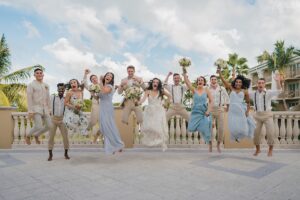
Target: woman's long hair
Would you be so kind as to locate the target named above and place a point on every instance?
(159, 87)
(80, 86)
(245, 82)
(112, 82)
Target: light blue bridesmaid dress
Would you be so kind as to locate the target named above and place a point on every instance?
(239, 124)
(198, 121)
(112, 139)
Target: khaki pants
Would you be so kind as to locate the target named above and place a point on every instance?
(129, 106)
(94, 117)
(38, 127)
(58, 122)
(218, 118)
(265, 118)
(177, 109)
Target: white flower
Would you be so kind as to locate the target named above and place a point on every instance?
(220, 63)
(185, 62)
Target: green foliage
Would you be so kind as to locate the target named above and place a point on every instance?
(238, 65)
(14, 91)
(88, 105)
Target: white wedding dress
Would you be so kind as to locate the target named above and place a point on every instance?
(155, 127)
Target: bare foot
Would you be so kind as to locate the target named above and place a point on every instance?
(37, 141)
(218, 148)
(256, 153)
(27, 140)
(270, 153)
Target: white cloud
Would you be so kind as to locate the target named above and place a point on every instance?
(69, 55)
(32, 31)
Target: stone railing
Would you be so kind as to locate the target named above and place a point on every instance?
(22, 126)
(286, 132)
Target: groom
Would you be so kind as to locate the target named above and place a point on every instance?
(130, 104)
(38, 100)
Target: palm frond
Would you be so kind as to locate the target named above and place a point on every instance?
(20, 74)
(16, 94)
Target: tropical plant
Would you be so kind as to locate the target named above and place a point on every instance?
(237, 64)
(11, 90)
(279, 59)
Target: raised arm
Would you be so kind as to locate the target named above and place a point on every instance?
(122, 86)
(85, 82)
(167, 78)
(188, 82)
(226, 84)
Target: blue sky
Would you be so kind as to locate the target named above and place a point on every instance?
(68, 36)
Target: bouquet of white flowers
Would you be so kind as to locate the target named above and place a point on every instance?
(95, 88)
(79, 105)
(133, 93)
(184, 63)
(220, 63)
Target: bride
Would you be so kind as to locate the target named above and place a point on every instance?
(155, 127)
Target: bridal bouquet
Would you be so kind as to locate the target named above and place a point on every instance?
(95, 88)
(79, 105)
(220, 63)
(133, 93)
(184, 63)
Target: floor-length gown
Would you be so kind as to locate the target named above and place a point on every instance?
(155, 127)
(199, 121)
(239, 124)
(108, 127)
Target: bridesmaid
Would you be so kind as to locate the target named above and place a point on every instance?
(200, 119)
(240, 123)
(112, 139)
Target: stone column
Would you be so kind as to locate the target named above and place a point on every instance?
(6, 124)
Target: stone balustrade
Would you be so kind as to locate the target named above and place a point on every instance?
(286, 132)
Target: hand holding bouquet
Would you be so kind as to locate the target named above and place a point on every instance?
(220, 63)
(184, 63)
(79, 105)
(133, 93)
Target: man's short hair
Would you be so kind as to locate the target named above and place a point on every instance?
(37, 69)
(212, 76)
(131, 67)
(176, 74)
(262, 79)
(60, 85)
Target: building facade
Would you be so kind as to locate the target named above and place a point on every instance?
(291, 84)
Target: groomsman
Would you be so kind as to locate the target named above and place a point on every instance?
(94, 117)
(130, 105)
(38, 100)
(263, 114)
(220, 100)
(177, 91)
(57, 115)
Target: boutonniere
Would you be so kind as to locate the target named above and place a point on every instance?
(46, 87)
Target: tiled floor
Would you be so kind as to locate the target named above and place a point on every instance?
(149, 174)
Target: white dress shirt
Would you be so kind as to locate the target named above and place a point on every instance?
(57, 105)
(177, 92)
(38, 97)
(220, 96)
(262, 100)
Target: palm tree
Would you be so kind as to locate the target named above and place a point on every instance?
(10, 89)
(238, 65)
(279, 60)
